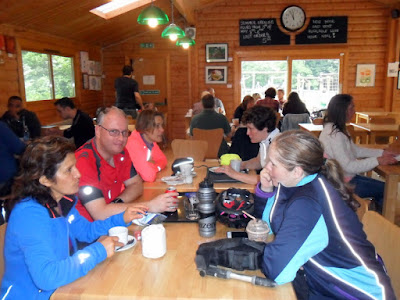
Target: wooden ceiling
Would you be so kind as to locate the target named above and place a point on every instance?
(71, 18)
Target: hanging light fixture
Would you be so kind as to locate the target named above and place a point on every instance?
(185, 42)
(152, 16)
(172, 31)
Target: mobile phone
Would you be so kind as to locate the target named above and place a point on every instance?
(236, 234)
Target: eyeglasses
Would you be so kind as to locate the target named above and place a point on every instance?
(116, 132)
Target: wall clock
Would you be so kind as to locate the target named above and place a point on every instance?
(293, 18)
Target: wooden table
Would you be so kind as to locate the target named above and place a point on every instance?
(364, 117)
(129, 275)
(374, 130)
(312, 128)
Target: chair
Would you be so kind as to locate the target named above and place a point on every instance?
(364, 204)
(213, 137)
(193, 148)
(291, 121)
(385, 236)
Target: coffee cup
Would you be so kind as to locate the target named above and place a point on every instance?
(121, 232)
(154, 241)
(235, 164)
(186, 171)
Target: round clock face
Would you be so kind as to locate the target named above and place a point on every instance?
(293, 18)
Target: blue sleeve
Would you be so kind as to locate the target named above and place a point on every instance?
(302, 234)
(42, 255)
(86, 231)
(12, 142)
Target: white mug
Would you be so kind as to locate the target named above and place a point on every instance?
(121, 232)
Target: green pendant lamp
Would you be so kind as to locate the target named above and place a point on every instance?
(152, 16)
(172, 31)
(185, 42)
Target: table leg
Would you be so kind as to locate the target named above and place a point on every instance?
(390, 197)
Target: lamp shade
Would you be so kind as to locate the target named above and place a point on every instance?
(152, 16)
(185, 42)
(173, 32)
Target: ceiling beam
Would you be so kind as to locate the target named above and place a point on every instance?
(186, 9)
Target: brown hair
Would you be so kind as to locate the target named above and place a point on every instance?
(146, 120)
(41, 158)
(300, 148)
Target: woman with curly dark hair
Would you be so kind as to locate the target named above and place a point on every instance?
(44, 225)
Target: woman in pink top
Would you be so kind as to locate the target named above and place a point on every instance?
(146, 155)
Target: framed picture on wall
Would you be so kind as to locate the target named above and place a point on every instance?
(216, 52)
(216, 75)
(365, 75)
(85, 78)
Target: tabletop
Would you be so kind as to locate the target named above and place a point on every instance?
(200, 168)
(129, 275)
(313, 128)
(376, 127)
(366, 115)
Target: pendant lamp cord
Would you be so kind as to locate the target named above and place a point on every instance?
(172, 12)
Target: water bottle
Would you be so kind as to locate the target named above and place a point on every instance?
(26, 130)
(206, 206)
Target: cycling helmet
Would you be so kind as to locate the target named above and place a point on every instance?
(230, 205)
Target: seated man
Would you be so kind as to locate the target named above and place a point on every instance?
(20, 119)
(198, 106)
(108, 179)
(210, 119)
(82, 128)
(260, 122)
(269, 100)
(219, 106)
(146, 155)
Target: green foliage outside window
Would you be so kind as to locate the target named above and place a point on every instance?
(41, 71)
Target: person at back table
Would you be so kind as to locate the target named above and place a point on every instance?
(353, 159)
(109, 181)
(247, 103)
(44, 225)
(146, 155)
(219, 106)
(294, 105)
(269, 100)
(21, 120)
(281, 99)
(198, 106)
(82, 128)
(210, 119)
(127, 93)
(261, 128)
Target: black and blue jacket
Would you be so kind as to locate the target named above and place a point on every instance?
(315, 229)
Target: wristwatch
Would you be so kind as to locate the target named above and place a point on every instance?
(118, 200)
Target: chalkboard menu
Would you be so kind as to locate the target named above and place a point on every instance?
(324, 30)
(255, 32)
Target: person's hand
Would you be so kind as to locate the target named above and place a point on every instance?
(227, 169)
(390, 152)
(385, 160)
(134, 211)
(266, 181)
(109, 243)
(164, 202)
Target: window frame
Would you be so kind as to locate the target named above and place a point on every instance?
(45, 48)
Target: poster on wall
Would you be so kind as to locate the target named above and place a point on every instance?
(365, 75)
(84, 61)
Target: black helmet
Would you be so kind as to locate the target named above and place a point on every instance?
(230, 205)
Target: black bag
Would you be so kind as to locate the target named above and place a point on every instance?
(236, 253)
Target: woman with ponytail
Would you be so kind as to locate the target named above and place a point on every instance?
(319, 242)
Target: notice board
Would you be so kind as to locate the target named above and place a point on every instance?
(324, 30)
(256, 32)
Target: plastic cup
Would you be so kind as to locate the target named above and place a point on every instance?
(257, 230)
(235, 164)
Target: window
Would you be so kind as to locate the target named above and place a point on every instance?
(315, 80)
(47, 76)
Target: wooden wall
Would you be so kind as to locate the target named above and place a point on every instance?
(373, 38)
(11, 76)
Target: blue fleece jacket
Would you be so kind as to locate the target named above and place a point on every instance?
(37, 249)
(315, 229)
